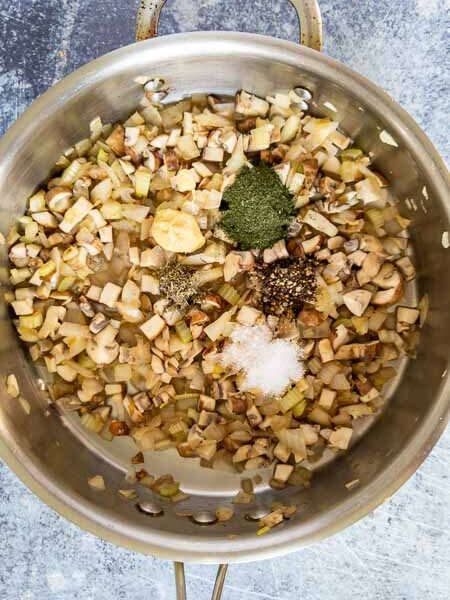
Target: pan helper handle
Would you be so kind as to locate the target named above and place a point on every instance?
(307, 10)
(180, 581)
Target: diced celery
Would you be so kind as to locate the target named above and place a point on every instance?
(183, 331)
(73, 172)
(66, 283)
(31, 321)
(47, 269)
(299, 408)
(142, 182)
(352, 154)
(290, 399)
(102, 155)
(228, 293)
(167, 490)
(376, 217)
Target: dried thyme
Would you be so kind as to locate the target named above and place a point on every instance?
(258, 208)
(176, 283)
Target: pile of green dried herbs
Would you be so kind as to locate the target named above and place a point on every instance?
(257, 208)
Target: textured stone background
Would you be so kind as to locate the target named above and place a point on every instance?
(402, 551)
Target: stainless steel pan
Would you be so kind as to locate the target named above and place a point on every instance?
(51, 453)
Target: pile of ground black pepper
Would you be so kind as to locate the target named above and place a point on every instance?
(286, 284)
(177, 284)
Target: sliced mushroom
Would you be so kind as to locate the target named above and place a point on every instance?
(250, 105)
(295, 247)
(277, 252)
(351, 245)
(370, 243)
(116, 140)
(153, 258)
(341, 337)
(282, 170)
(320, 223)
(246, 125)
(341, 438)
(357, 351)
(406, 267)
(406, 317)
(197, 317)
(243, 453)
(357, 258)
(370, 268)
(310, 170)
(357, 301)
(310, 317)
(388, 277)
(59, 199)
(390, 296)
(171, 160)
(100, 354)
(312, 244)
(212, 301)
(236, 262)
(206, 403)
(254, 416)
(335, 242)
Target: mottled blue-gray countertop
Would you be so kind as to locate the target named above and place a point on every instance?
(402, 550)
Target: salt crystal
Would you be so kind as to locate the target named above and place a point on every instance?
(269, 365)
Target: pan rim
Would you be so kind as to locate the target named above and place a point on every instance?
(190, 548)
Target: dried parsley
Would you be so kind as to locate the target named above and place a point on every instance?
(176, 283)
(286, 284)
(258, 208)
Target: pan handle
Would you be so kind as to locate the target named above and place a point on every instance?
(307, 10)
(180, 581)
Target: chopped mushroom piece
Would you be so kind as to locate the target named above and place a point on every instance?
(320, 223)
(250, 105)
(341, 438)
(389, 296)
(110, 294)
(406, 317)
(101, 354)
(153, 327)
(357, 301)
(312, 244)
(325, 351)
(283, 472)
(236, 262)
(388, 277)
(370, 268)
(406, 267)
(327, 399)
(357, 351)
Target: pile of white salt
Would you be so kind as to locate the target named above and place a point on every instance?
(269, 365)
